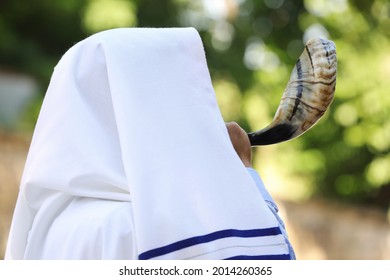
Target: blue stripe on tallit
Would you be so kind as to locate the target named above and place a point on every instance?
(196, 240)
(261, 257)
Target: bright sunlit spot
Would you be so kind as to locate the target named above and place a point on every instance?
(222, 35)
(258, 56)
(315, 30)
(104, 14)
(323, 8)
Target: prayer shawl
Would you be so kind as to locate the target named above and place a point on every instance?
(131, 159)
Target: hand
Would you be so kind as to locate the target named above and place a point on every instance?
(240, 142)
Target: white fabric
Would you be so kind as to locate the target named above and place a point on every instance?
(131, 159)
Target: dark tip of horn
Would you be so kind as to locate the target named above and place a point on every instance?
(273, 135)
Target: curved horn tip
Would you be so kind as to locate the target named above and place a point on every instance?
(276, 134)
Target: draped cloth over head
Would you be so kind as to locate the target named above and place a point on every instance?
(131, 158)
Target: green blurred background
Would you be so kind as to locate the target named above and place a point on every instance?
(251, 48)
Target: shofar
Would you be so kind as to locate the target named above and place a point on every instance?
(307, 96)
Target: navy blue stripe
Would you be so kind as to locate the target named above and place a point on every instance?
(299, 89)
(208, 238)
(265, 257)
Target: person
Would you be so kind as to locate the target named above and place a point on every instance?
(131, 159)
(242, 146)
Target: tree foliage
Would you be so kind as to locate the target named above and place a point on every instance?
(251, 47)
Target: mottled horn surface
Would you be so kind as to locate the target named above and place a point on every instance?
(307, 96)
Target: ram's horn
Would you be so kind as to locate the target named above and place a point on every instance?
(307, 96)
